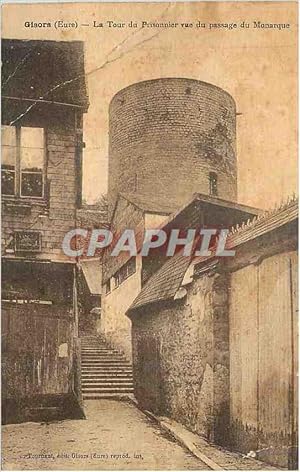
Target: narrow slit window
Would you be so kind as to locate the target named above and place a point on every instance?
(213, 184)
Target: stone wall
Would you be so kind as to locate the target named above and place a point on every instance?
(181, 358)
(223, 359)
(167, 135)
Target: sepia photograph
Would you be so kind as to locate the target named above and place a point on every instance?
(149, 183)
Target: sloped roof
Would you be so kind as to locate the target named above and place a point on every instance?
(44, 70)
(160, 204)
(93, 275)
(164, 284)
(263, 223)
(217, 210)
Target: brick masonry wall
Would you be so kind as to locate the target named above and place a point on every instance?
(181, 358)
(55, 217)
(166, 135)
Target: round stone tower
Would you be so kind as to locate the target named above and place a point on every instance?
(170, 138)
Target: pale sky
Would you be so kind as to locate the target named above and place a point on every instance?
(256, 66)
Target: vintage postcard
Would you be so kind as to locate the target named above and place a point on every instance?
(149, 236)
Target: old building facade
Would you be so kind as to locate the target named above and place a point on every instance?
(44, 98)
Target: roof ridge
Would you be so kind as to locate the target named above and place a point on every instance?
(276, 210)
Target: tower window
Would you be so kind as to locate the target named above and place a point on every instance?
(135, 182)
(213, 183)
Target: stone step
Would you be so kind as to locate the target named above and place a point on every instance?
(108, 373)
(100, 386)
(112, 389)
(97, 396)
(98, 346)
(105, 363)
(97, 372)
(103, 356)
(89, 350)
(102, 353)
(104, 376)
(102, 380)
(105, 360)
(108, 383)
(121, 362)
(106, 367)
(94, 346)
(99, 351)
(105, 372)
(108, 389)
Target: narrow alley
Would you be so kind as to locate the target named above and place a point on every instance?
(115, 436)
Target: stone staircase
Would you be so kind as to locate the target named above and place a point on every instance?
(105, 373)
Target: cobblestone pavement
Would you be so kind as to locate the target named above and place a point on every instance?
(115, 436)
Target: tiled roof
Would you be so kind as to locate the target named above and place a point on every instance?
(258, 226)
(164, 284)
(264, 223)
(44, 70)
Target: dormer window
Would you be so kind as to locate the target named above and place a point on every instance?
(23, 156)
(213, 184)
